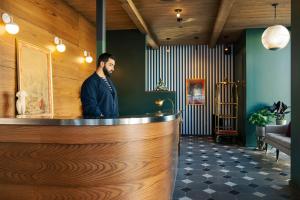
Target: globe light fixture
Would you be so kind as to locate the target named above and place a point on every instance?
(11, 27)
(88, 57)
(275, 37)
(60, 47)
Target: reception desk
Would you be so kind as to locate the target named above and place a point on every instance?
(130, 158)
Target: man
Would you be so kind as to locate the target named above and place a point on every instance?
(98, 94)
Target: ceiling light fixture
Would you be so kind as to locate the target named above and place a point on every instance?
(60, 47)
(178, 14)
(277, 36)
(88, 57)
(10, 26)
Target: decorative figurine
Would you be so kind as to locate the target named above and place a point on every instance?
(21, 102)
(161, 86)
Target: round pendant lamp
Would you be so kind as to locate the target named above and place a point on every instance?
(275, 37)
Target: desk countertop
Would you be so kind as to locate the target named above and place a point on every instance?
(138, 119)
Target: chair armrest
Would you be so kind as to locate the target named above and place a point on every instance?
(281, 129)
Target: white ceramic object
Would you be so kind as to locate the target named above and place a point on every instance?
(260, 130)
(280, 121)
(21, 102)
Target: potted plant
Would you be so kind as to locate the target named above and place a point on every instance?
(280, 110)
(260, 119)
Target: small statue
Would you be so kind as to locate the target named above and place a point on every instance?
(161, 86)
(21, 102)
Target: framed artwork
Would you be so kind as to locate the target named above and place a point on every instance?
(195, 91)
(35, 78)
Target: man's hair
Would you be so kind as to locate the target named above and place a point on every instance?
(104, 58)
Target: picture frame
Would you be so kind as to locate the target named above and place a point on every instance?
(195, 91)
(34, 71)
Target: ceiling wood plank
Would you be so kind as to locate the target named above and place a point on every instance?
(223, 13)
(138, 20)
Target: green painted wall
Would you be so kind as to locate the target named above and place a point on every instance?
(268, 77)
(129, 48)
(295, 165)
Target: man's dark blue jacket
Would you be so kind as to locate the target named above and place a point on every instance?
(97, 99)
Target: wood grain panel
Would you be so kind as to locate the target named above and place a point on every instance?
(7, 95)
(67, 97)
(88, 162)
(199, 17)
(116, 18)
(255, 14)
(223, 13)
(87, 35)
(7, 50)
(7, 75)
(161, 18)
(69, 110)
(83, 134)
(157, 187)
(39, 22)
(54, 16)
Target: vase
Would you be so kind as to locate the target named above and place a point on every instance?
(260, 135)
(260, 130)
(280, 121)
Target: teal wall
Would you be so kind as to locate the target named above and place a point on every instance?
(295, 161)
(268, 77)
(129, 48)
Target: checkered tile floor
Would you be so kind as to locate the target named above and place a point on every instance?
(211, 171)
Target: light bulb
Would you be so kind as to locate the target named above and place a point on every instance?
(178, 15)
(12, 28)
(89, 59)
(61, 47)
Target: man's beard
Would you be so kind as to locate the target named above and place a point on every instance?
(106, 72)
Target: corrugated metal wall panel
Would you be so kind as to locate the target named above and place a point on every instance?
(175, 64)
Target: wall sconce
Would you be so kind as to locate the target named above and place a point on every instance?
(88, 57)
(59, 45)
(178, 15)
(11, 27)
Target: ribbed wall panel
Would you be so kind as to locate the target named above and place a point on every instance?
(175, 64)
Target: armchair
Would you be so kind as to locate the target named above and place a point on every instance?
(276, 137)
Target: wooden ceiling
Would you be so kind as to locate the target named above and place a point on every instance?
(116, 17)
(255, 14)
(203, 20)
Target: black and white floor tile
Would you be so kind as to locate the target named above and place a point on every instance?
(211, 171)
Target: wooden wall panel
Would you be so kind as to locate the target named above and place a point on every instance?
(7, 75)
(67, 90)
(40, 22)
(54, 16)
(7, 94)
(87, 35)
